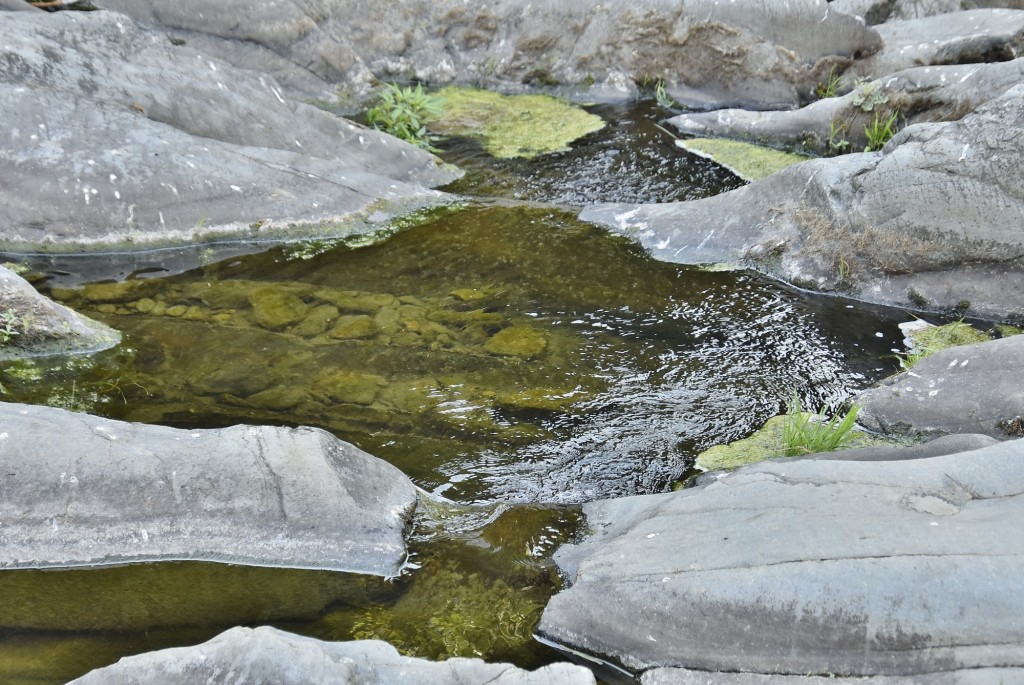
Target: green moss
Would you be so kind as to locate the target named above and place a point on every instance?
(749, 162)
(513, 125)
(1006, 330)
(517, 341)
(766, 443)
(929, 340)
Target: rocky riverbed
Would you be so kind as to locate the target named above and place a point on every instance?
(149, 124)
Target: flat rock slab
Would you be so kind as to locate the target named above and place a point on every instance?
(975, 388)
(77, 490)
(34, 325)
(823, 567)
(974, 676)
(939, 202)
(710, 54)
(268, 655)
(981, 35)
(114, 136)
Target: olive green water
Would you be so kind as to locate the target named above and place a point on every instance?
(495, 354)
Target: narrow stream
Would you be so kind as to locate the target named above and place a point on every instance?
(508, 358)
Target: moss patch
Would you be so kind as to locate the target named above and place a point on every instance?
(513, 125)
(766, 443)
(930, 339)
(749, 162)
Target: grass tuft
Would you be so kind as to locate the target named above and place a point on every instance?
(808, 433)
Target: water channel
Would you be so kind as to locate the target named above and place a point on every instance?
(505, 356)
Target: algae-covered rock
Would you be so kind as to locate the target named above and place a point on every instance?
(517, 341)
(342, 386)
(354, 327)
(317, 321)
(766, 443)
(275, 309)
(748, 161)
(513, 125)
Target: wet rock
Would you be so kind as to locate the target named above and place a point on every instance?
(122, 138)
(31, 324)
(274, 309)
(683, 676)
(797, 567)
(928, 221)
(964, 389)
(710, 54)
(517, 341)
(269, 655)
(342, 386)
(317, 321)
(982, 35)
(79, 490)
(354, 327)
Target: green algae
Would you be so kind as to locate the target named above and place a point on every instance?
(928, 340)
(767, 443)
(748, 161)
(513, 125)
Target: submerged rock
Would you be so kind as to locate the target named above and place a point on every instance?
(122, 137)
(84, 491)
(32, 325)
(267, 655)
(895, 568)
(963, 389)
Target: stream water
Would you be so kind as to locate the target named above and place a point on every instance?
(503, 356)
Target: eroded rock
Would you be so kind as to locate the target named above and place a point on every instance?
(268, 655)
(79, 490)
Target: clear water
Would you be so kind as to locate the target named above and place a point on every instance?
(508, 358)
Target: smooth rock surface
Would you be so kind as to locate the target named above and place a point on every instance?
(931, 221)
(267, 655)
(78, 490)
(710, 54)
(879, 11)
(966, 389)
(899, 568)
(35, 325)
(115, 136)
(981, 35)
(972, 676)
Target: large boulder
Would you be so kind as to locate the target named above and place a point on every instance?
(78, 490)
(267, 655)
(32, 325)
(964, 389)
(710, 54)
(120, 137)
(931, 221)
(850, 568)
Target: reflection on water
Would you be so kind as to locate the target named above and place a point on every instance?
(497, 354)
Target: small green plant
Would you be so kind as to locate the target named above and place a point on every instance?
(9, 324)
(405, 113)
(662, 97)
(868, 95)
(837, 142)
(829, 87)
(880, 130)
(809, 433)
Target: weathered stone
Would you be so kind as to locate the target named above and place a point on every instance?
(710, 54)
(879, 11)
(965, 389)
(84, 491)
(970, 676)
(119, 137)
(31, 324)
(275, 309)
(268, 655)
(981, 35)
(899, 568)
(930, 220)
(517, 341)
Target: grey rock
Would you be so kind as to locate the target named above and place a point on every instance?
(930, 221)
(116, 136)
(947, 444)
(270, 656)
(973, 676)
(925, 94)
(34, 325)
(78, 490)
(982, 35)
(878, 11)
(16, 6)
(898, 568)
(964, 389)
(710, 54)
